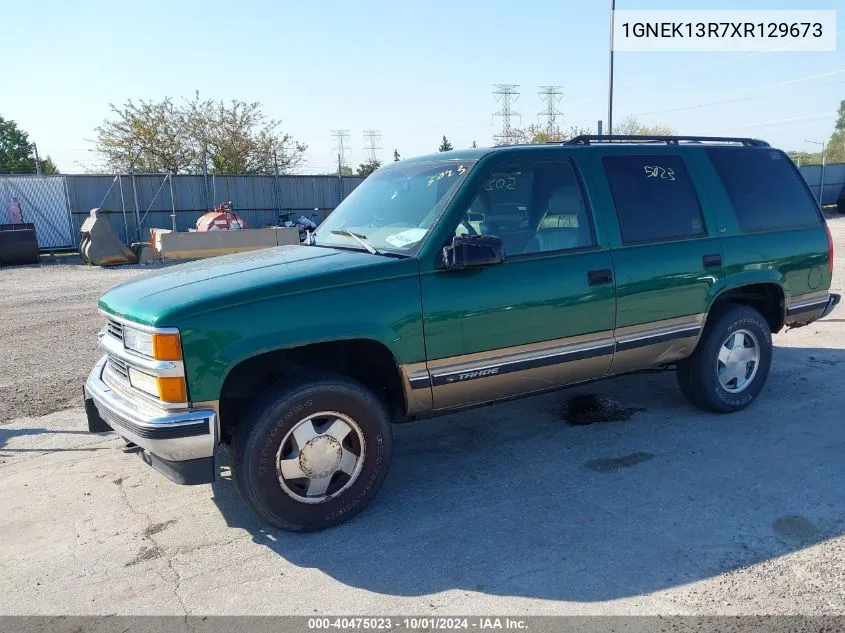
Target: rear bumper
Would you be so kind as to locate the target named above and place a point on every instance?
(806, 308)
(179, 444)
(832, 302)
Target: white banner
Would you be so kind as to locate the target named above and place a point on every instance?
(724, 30)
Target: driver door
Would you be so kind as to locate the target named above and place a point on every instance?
(542, 319)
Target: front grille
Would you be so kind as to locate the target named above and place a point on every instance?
(115, 329)
(119, 366)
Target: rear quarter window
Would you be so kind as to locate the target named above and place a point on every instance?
(765, 189)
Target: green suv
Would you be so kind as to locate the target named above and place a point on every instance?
(457, 280)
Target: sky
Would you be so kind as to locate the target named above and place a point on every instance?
(415, 71)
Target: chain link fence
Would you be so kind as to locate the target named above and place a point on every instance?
(43, 201)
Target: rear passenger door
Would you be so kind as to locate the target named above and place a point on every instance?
(666, 253)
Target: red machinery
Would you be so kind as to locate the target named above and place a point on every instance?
(221, 219)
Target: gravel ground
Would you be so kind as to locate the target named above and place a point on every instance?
(48, 327)
(502, 510)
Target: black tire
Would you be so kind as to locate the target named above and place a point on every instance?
(697, 375)
(270, 420)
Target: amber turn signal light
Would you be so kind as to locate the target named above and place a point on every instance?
(172, 389)
(167, 347)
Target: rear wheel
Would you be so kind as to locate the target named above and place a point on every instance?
(729, 367)
(311, 455)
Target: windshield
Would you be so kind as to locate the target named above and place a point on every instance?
(395, 207)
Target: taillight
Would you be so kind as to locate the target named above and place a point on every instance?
(829, 249)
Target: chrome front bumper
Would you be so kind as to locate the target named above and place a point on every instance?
(180, 444)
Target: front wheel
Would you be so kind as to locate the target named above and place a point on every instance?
(729, 367)
(312, 455)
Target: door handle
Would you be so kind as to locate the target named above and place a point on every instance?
(603, 276)
(712, 261)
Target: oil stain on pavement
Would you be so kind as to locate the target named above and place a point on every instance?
(614, 464)
(590, 408)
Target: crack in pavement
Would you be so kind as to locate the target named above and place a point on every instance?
(148, 534)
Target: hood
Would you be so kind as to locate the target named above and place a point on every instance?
(159, 297)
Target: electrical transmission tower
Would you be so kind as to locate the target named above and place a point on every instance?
(373, 136)
(507, 95)
(551, 95)
(340, 147)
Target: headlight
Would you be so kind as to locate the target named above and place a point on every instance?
(138, 341)
(161, 346)
(165, 388)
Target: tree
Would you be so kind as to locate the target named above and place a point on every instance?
(631, 125)
(17, 154)
(445, 146)
(165, 136)
(835, 149)
(536, 134)
(840, 119)
(345, 171)
(805, 158)
(365, 169)
(396, 156)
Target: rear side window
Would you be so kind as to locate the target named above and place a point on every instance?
(654, 198)
(766, 190)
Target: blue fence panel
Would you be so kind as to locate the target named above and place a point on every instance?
(834, 180)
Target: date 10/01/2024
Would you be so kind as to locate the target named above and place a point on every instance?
(418, 623)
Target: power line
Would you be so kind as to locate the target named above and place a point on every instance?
(787, 121)
(374, 136)
(550, 95)
(750, 89)
(340, 148)
(506, 94)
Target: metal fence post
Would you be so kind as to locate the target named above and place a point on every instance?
(276, 183)
(172, 202)
(208, 207)
(821, 182)
(75, 235)
(135, 197)
(123, 209)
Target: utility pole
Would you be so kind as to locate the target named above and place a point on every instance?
(506, 94)
(37, 161)
(610, 77)
(340, 137)
(550, 95)
(374, 136)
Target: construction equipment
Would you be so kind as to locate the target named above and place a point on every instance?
(100, 245)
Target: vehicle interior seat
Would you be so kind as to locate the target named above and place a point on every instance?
(564, 225)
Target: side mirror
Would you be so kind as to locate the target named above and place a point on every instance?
(470, 251)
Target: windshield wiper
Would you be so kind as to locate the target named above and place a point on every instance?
(361, 239)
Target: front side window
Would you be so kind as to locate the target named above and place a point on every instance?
(532, 208)
(654, 198)
(394, 209)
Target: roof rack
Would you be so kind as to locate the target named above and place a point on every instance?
(587, 139)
